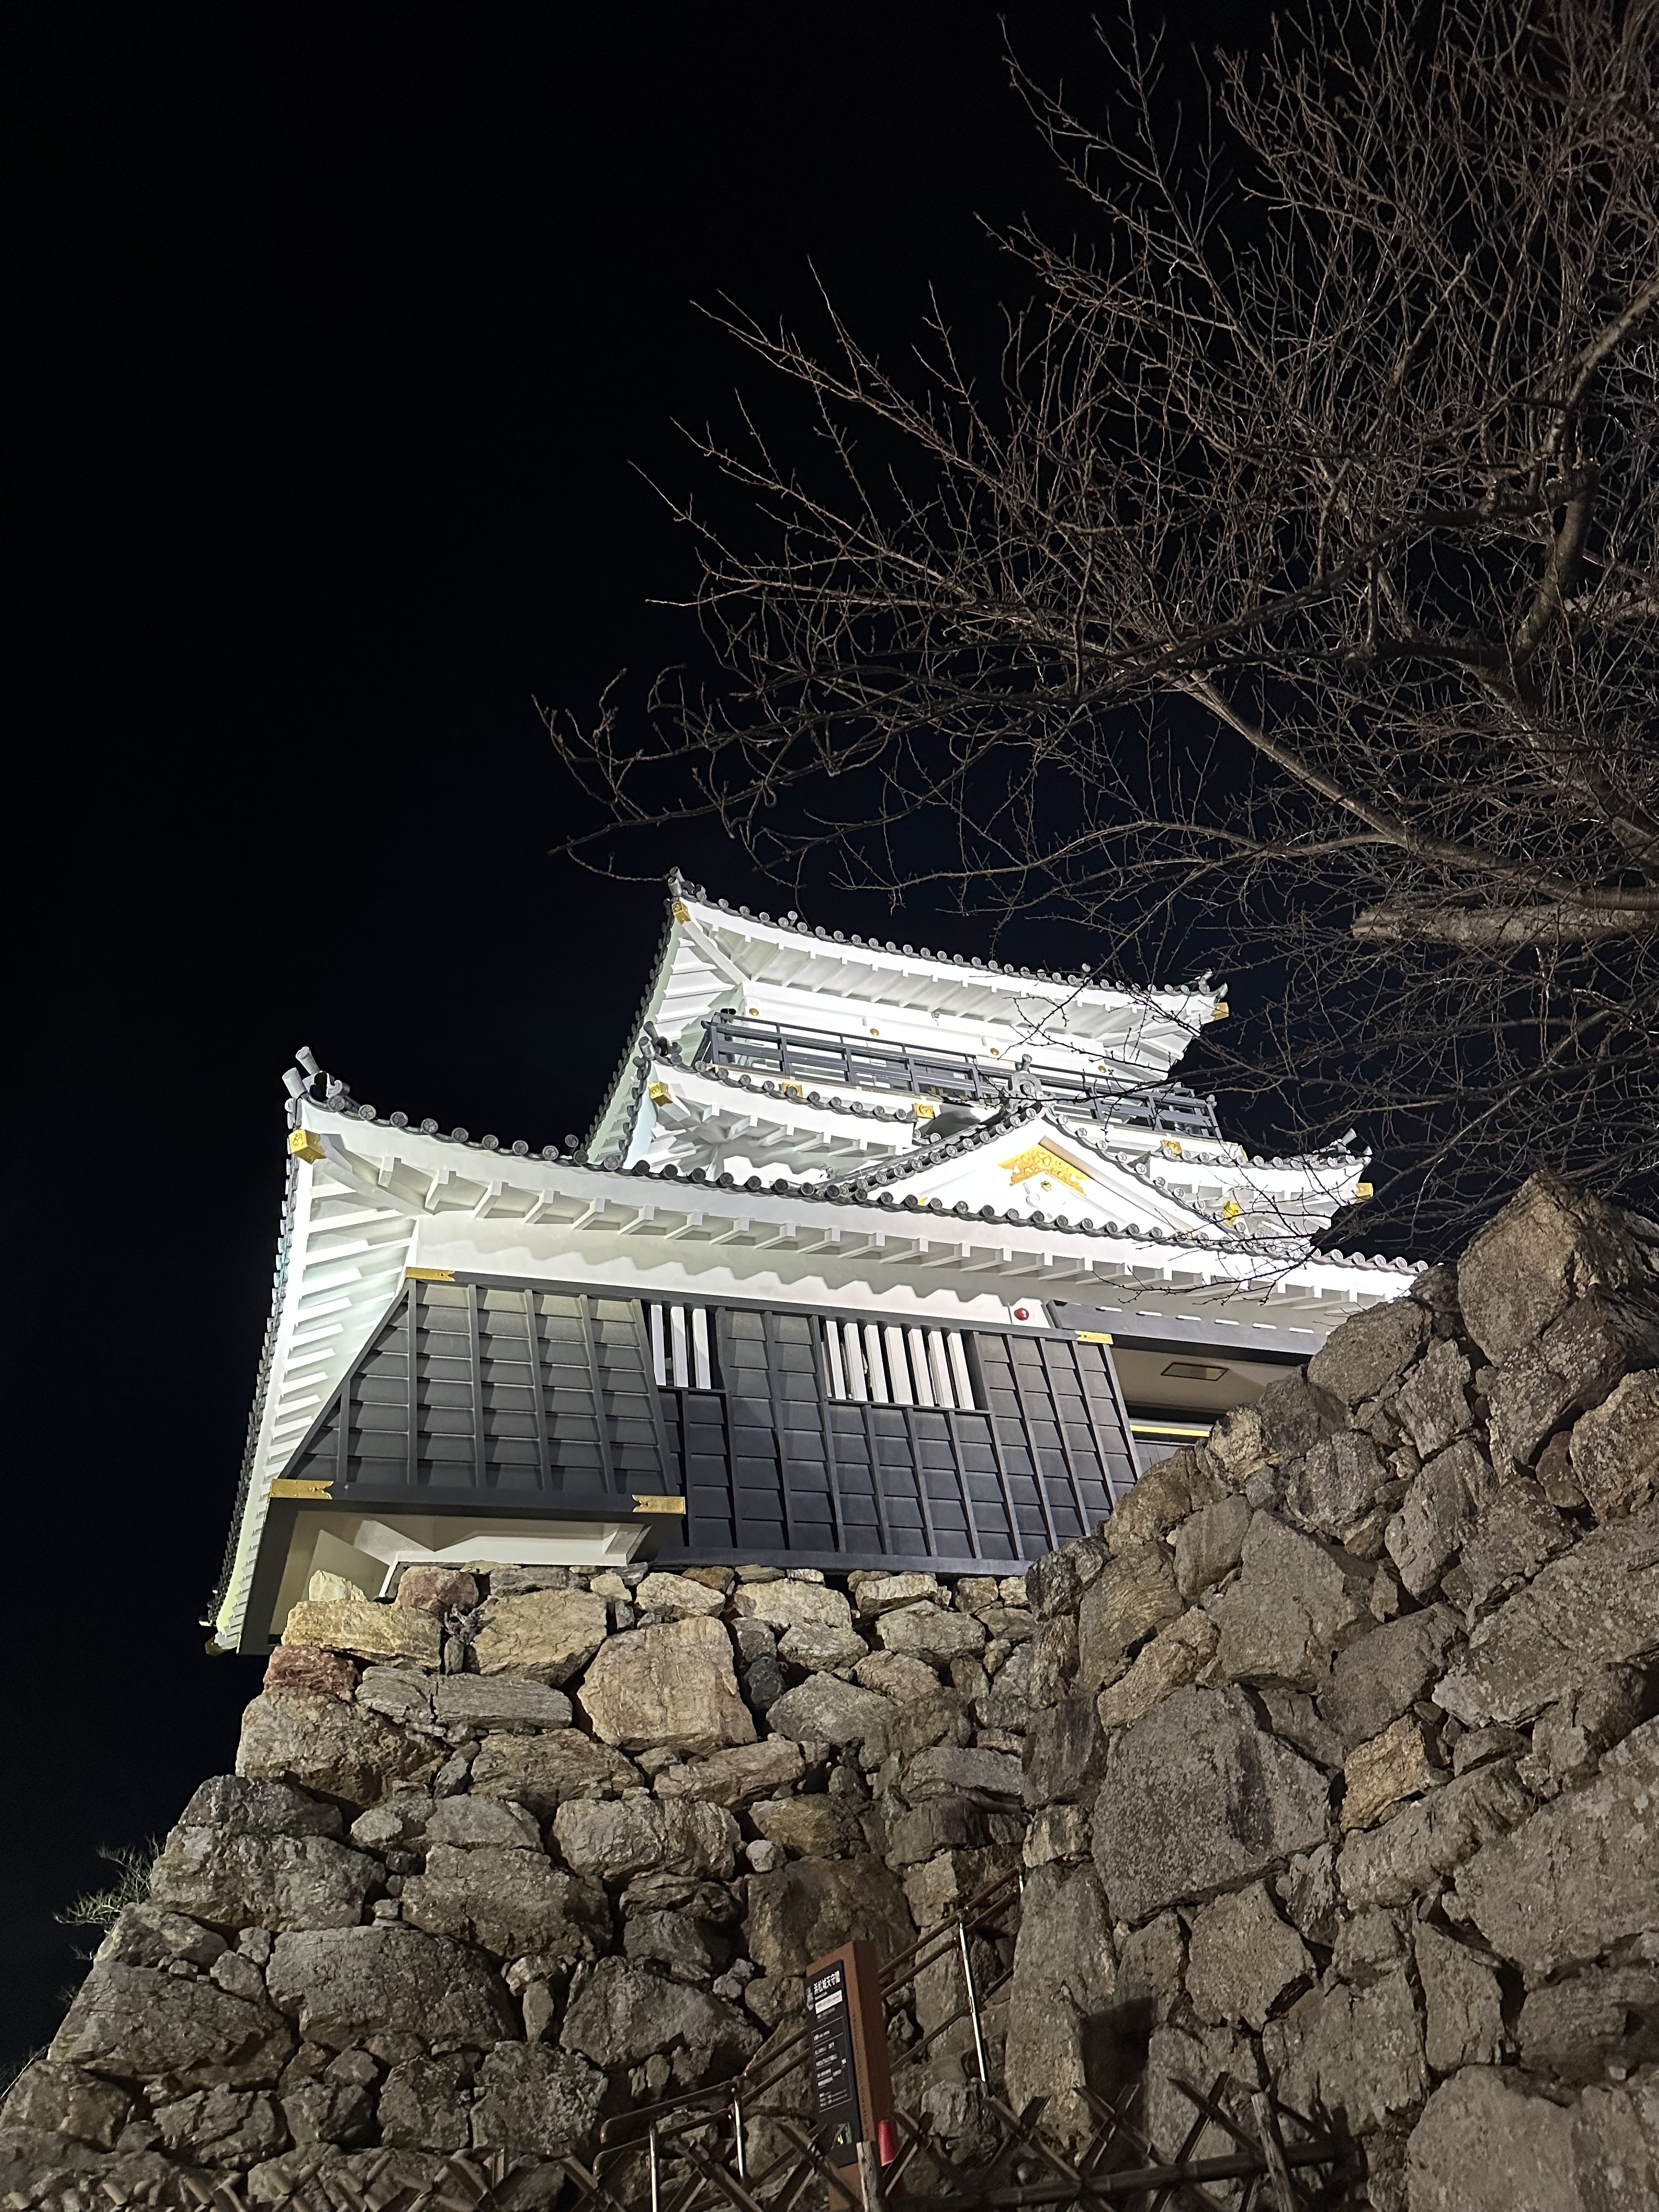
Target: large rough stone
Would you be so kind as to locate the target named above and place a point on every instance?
(511, 1902)
(65, 2101)
(1433, 1405)
(810, 1828)
(1054, 1662)
(1368, 1351)
(1059, 2040)
(1055, 1584)
(1165, 1495)
(672, 1688)
(1550, 1245)
(398, 1693)
(1295, 1414)
(329, 2101)
(498, 1701)
(928, 1631)
(735, 1775)
(1575, 2029)
(1484, 2145)
(139, 2023)
(1390, 1864)
(1183, 2050)
(825, 1709)
(316, 1743)
(1295, 1601)
(150, 1935)
(787, 1605)
(642, 1835)
(1242, 1958)
(1134, 1597)
(1615, 2145)
(1383, 1675)
(1573, 1366)
(424, 2105)
(549, 1634)
(302, 1668)
(952, 1878)
(1463, 2001)
(1566, 1738)
(536, 2103)
(249, 1879)
(824, 1650)
(938, 1824)
(1439, 1513)
(1596, 1606)
(437, 1589)
(1177, 1655)
(878, 1594)
(811, 1906)
(1358, 2053)
(898, 1675)
(942, 1718)
(478, 1823)
(222, 2127)
(1579, 1876)
(1237, 1446)
(1517, 1532)
(949, 1769)
(313, 2167)
(1064, 1755)
(366, 1630)
(690, 1950)
(621, 2014)
(1209, 1546)
(1294, 1719)
(1394, 1765)
(350, 1986)
(677, 1597)
(1615, 1450)
(1335, 1488)
(239, 1804)
(1197, 1799)
(540, 1771)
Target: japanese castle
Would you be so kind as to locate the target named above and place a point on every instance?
(875, 1256)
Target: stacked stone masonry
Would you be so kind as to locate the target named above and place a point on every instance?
(1332, 1762)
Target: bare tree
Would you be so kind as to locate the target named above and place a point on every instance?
(1289, 604)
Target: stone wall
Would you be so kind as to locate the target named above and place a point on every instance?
(1331, 1759)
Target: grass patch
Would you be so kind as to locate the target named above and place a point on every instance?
(102, 1908)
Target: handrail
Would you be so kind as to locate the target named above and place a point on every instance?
(795, 1053)
(763, 2072)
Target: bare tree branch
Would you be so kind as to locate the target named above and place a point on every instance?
(1289, 602)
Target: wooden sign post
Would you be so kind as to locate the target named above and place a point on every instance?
(851, 2078)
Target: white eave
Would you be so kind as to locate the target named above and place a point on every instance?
(713, 957)
(385, 1197)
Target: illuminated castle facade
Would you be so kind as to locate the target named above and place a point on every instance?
(875, 1256)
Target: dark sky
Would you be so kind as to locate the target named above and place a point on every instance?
(344, 335)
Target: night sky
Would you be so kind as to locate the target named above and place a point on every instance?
(348, 340)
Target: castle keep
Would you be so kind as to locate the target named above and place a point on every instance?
(875, 1256)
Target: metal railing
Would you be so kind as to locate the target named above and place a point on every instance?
(697, 2152)
(808, 1056)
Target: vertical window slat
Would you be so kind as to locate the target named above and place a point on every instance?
(936, 1359)
(854, 1348)
(832, 1352)
(923, 1380)
(676, 1345)
(658, 1365)
(873, 1361)
(959, 1369)
(703, 1373)
(898, 1367)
